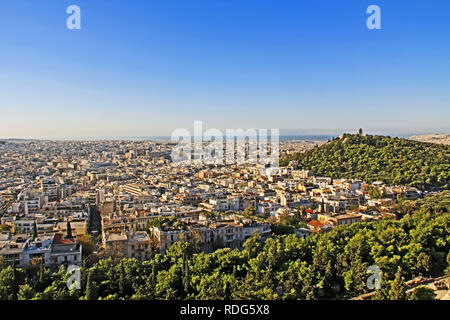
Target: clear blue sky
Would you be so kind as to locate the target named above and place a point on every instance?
(147, 67)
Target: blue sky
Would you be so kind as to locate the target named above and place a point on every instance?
(143, 68)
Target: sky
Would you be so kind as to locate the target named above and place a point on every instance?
(146, 68)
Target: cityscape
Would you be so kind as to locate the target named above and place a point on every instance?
(86, 203)
(318, 167)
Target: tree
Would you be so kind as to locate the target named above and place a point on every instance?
(423, 293)
(26, 292)
(375, 192)
(35, 234)
(15, 283)
(246, 289)
(69, 231)
(153, 274)
(424, 262)
(44, 277)
(151, 281)
(146, 290)
(384, 291)
(121, 279)
(447, 271)
(249, 212)
(253, 244)
(398, 289)
(355, 277)
(5, 228)
(186, 274)
(10, 280)
(88, 243)
(91, 288)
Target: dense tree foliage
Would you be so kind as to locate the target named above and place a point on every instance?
(331, 265)
(423, 293)
(392, 160)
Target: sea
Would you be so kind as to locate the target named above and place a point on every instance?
(168, 138)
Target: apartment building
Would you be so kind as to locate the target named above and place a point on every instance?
(139, 245)
(37, 251)
(130, 244)
(132, 188)
(338, 220)
(24, 226)
(11, 250)
(65, 251)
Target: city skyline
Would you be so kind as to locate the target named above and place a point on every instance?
(148, 68)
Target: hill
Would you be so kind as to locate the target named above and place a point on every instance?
(372, 158)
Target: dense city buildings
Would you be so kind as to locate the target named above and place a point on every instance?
(207, 230)
(141, 202)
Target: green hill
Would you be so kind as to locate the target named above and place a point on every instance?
(372, 158)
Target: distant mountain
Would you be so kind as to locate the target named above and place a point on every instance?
(372, 158)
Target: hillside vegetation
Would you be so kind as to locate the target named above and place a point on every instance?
(282, 267)
(371, 158)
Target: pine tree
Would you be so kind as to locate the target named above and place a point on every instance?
(227, 291)
(15, 284)
(69, 231)
(42, 277)
(153, 276)
(423, 293)
(186, 275)
(398, 289)
(151, 283)
(35, 231)
(383, 292)
(328, 276)
(268, 278)
(148, 290)
(91, 290)
(41, 272)
(122, 280)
